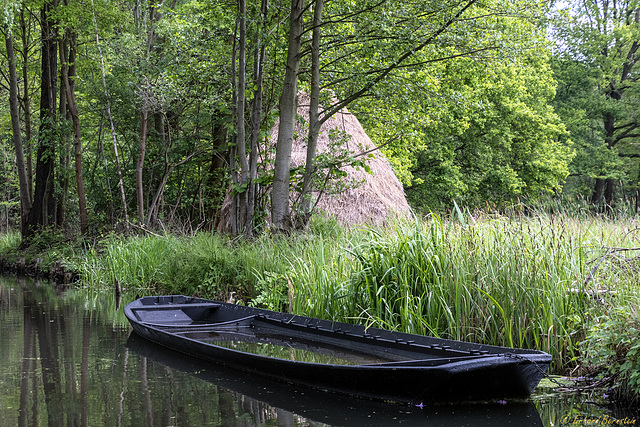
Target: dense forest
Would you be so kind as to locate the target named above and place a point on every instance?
(156, 114)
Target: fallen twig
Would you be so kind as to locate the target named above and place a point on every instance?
(609, 252)
(145, 230)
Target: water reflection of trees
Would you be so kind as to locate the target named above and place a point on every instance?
(49, 371)
(68, 365)
(70, 361)
(28, 370)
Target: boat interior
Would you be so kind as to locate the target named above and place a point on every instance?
(290, 337)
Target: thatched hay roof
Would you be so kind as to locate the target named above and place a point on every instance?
(380, 193)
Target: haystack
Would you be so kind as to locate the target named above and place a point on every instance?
(379, 194)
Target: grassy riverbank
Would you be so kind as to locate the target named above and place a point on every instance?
(545, 282)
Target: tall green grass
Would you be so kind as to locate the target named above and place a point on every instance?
(138, 262)
(496, 282)
(518, 282)
(512, 282)
(9, 242)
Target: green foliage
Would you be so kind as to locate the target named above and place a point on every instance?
(612, 346)
(483, 283)
(46, 239)
(485, 279)
(474, 128)
(208, 265)
(9, 242)
(325, 226)
(271, 289)
(463, 117)
(597, 96)
(133, 261)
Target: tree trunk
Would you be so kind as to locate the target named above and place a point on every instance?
(67, 71)
(280, 215)
(144, 120)
(77, 136)
(147, 104)
(39, 214)
(14, 107)
(241, 196)
(216, 176)
(152, 215)
(608, 193)
(154, 207)
(26, 102)
(113, 130)
(64, 141)
(604, 187)
(233, 151)
(256, 121)
(598, 191)
(314, 122)
(155, 204)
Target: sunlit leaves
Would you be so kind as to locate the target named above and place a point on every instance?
(474, 118)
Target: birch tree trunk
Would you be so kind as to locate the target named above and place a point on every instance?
(288, 106)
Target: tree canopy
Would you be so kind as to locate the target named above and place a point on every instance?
(153, 114)
(595, 61)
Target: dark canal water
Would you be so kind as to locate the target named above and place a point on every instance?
(70, 359)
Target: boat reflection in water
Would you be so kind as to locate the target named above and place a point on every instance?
(263, 399)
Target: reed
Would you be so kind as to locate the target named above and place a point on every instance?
(512, 282)
(519, 281)
(483, 284)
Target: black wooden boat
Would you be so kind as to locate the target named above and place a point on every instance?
(339, 357)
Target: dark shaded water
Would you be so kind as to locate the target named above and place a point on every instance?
(69, 359)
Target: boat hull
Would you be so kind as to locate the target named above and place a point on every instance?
(428, 369)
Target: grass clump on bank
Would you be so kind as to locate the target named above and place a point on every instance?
(497, 282)
(207, 264)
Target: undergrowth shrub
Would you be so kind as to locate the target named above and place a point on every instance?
(139, 261)
(612, 349)
(9, 242)
(272, 290)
